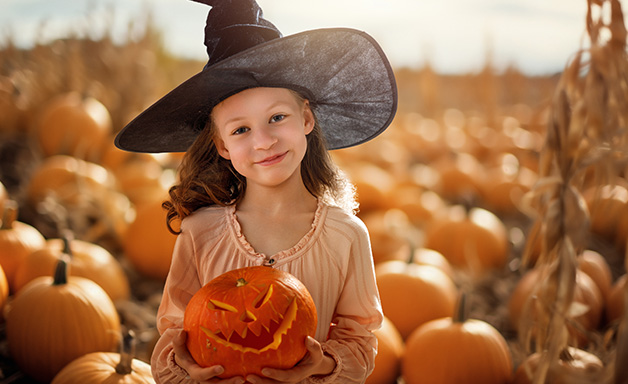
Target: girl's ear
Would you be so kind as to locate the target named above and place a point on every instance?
(308, 117)
(222, 150)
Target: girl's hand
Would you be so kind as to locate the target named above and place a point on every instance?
(315, 362)
(195, 372)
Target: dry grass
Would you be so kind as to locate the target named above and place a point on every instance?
(587, 134)
(126, 78)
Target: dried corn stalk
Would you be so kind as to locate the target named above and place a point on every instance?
(587, 135)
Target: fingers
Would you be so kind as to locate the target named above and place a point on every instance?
(303, 369)
(186, 361)
(181, 353)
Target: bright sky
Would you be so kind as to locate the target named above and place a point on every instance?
(537, 36)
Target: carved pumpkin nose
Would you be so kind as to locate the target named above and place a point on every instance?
(247, 317)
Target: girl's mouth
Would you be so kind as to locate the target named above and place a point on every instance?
(272, 159)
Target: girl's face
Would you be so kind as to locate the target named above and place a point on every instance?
(262, 132)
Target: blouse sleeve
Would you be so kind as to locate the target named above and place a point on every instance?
(351, 342)
(181, 284)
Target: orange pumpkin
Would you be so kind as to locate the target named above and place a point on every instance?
(4, 291)
(17, 241)
(388, 232)
(87, 260)
(250, 318)
(70, 180)
(454, 350)
(4, 196)
(427, 290)
(12, 105)
(425, 256)
(616, 299)
(419, 204)
(586, 293)
(147, 243)
(142, 179)
(73, 125)
(113, 157)
(595, 265)
(475, 240)
(108, 367)
(372, 184)
(505, 184)
(390, 348)
(460, 176)
(53, 321)
(608, 206)
(423, 137)
(574, 366)
(86, 189)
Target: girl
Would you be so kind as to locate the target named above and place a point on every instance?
(257, 185)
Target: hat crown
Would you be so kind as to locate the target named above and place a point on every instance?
(233, 26)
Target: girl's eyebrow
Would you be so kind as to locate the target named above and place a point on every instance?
(233, 120)
(276, 104)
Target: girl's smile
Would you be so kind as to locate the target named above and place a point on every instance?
(271, 160)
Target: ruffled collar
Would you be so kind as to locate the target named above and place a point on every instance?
(294, 250)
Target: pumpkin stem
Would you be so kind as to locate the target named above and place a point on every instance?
(9, 215)
(61, 272)
(411, 256)
(67, 238)
(460, 315)
(241, 282)
(127, 351)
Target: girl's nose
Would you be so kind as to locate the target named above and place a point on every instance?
(264, 138)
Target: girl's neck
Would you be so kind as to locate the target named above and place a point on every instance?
(291, 198)
(275, 221)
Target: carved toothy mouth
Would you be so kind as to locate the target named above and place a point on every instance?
(269, 336)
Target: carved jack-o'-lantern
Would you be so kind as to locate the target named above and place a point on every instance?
(248, 319)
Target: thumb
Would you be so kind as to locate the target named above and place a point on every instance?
(311, 344)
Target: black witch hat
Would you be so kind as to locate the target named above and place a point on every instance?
(343, 72)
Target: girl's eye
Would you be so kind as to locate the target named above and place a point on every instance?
(240, 131)
(277, 118)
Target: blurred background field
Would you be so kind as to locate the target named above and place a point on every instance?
(463, 148)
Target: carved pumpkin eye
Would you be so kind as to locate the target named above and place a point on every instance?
(220, 306)
(263, 297)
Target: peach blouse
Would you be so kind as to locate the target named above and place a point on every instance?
(333, 260)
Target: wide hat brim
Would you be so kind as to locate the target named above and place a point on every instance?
(343, 72)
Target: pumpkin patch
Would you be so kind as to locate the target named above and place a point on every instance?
(482, 181)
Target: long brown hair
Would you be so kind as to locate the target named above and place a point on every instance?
(206, 178)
